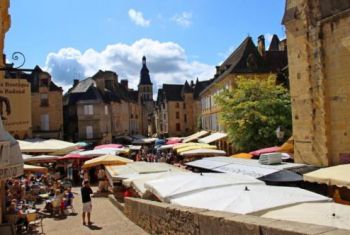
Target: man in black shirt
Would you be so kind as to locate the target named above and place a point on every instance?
(86, 199)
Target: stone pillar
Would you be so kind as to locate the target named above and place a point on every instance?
(5, 22)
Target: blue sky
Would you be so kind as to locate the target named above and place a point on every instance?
(181, 39)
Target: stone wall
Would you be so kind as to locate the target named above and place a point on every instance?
(161, 218)
(318, 55)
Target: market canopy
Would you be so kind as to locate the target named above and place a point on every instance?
(72, 156)
(52, 146)
(203, 152)
(183, 145)
(109, 146)
(335, 175)
(243, 155)
(106, 160)
(213, 138)
(98, 152)
(324, 213)
(138, 183)
(195, 136)
(244, 199)
(118, 173)
(197, 146)
(40, 158)
(250, 167)
(34, 169)
(282, 176)
(265, 150)
(184, 184)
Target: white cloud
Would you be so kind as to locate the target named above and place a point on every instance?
(137, 18)
(184, 19)
(167, 62)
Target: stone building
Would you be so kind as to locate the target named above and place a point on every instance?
(101, 109)
(248, 61)
(178, 108)
(318, 34)
(46, 108)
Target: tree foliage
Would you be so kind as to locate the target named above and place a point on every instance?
(252, 110)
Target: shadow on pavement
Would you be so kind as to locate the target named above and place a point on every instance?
(94, 227)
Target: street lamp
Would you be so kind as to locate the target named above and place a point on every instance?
(279, 133)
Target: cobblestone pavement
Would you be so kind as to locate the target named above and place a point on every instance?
(105, 217)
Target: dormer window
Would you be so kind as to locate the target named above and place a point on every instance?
(44, 82)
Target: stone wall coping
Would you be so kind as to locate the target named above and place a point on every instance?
(221, 220)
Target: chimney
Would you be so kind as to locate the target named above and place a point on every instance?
(192, 83)
(124, 83)
(261, 45)
(75, 82)
(217, 69)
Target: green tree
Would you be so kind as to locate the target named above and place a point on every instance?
(252, 110)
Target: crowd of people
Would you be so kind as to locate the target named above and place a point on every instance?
(154, 155)
(24, 195)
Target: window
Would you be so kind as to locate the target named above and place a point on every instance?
(185, 117)
(89, 132)
(184, 105)
(178, 127)
(163, 105)
(164, 116)
(177, 105)
(109, 84)
(177, 115)
(44, 82)
(106, 109)
(136, 116)
(44, 99)
(88, 109)
(44, 124)
(131, 115)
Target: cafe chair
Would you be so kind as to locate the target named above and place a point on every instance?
(34, 222)
(12, 219)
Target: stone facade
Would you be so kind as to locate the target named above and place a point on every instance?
(178, 108)
(47, 106)
(5, 23)
(100, 108)
(248, 61)
(318, 35)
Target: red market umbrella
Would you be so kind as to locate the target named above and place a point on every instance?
(109, 146)
(173, 141)
(72, 156)
(265, 150)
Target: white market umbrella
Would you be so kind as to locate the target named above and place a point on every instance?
(244, 199)
(323, 213)
(178, 185)
(139, 183)
(98, 152)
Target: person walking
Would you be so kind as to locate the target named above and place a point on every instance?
(86, 199)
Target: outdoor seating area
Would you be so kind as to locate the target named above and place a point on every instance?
(32, 197)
